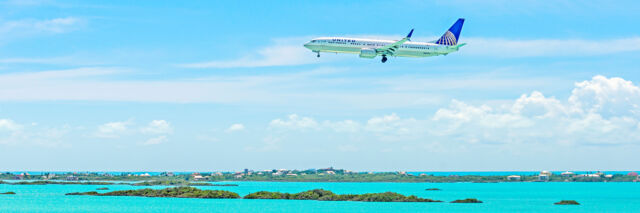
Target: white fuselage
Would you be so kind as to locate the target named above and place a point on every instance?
(357, 45)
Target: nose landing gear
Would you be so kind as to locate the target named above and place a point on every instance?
(384, 58)
(318, 52)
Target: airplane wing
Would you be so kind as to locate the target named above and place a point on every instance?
(390, 49)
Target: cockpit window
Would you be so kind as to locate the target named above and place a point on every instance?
(313, 41)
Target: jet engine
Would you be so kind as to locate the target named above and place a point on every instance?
(368, 53)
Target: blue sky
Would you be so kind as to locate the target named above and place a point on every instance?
(211, 86)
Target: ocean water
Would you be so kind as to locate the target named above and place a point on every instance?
(497, 197)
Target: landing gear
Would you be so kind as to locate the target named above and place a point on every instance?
(318, 54)
(384, 58)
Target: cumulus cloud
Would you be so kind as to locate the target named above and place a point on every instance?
(157, 127)
(599, 111)
(112, 129)
(235, 127)
(294, 122)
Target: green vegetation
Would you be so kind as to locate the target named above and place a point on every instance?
(103, 188)
(325, 195)
(7, 193)
(316, 194)
(567, 202)
(170, 183)
(181, 192)
(468, 200)
(83, 193)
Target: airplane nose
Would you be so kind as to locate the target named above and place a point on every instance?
(307, 45)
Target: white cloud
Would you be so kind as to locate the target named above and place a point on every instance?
(280, 54)
(294, 122)
(156, 140)
(600, 111)
(29, 27)
(609, 96)
(235, 128)
(112, 129)
(157, 127)
(10, 131)
(9, 125)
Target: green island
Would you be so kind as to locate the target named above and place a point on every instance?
(103, 188)
(432, 189)
(468, 200)
(180, 192)
(7, 193)
(325, 195)
(316, 194)
(567, 202)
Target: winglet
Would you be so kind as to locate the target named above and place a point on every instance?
(409, 35)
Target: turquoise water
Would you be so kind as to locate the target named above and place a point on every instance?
(498, 197)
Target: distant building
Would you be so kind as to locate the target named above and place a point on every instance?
(568, 174)
(543, 178)
(513, 178)
(72, 178)
(145, 175)
(198, 177)
(632, 174)
(292, 174)
(331, 172)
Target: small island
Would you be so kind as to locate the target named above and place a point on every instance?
(432, 189)
(316, 194)
(468, 200)
(7, 193)
(325, 195)
(103, 188)
(567, 202)
(179, 192)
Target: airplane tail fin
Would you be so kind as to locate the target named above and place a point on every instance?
(450, 38)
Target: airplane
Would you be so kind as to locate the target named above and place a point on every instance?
(370, 48)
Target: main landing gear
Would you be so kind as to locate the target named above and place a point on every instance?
(384, 58)
(318, 54)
